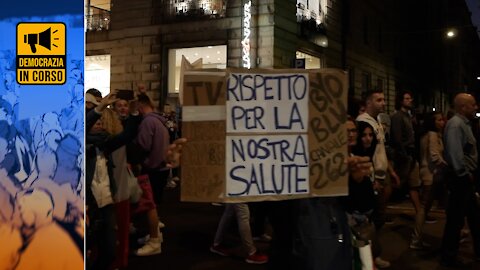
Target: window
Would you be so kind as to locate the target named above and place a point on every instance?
(351, 81)
(198, 7)
(365, 30)
(380, 83)
(97, 73)
(380, 36)
(97, 15)
(312, 10)
(366, 81)
(311, 62)
(212, 57)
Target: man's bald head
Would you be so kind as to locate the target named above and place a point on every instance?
(465, 105)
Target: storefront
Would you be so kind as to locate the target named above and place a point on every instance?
(97, 73)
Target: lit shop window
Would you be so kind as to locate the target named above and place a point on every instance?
(212, 57)
(199, 7)
(311, 62)
(97, 73)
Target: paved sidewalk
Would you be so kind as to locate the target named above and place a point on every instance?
(395, 241)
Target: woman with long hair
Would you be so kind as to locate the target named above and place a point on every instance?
(104, 136)
(432, 167)
(361, 201)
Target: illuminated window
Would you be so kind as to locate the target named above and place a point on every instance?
(212, 57)
(311, 62)
(208, 7)
(312, 9)
(97, 73)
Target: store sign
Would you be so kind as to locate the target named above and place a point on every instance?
(247, 18)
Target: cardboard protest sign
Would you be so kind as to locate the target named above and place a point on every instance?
(203, 123)
(264, 135)
(185, 66)
(327, 135)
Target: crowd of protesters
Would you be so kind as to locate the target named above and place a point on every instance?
(130, 151)
(127, 171)
(129, 156)
(433, 161)
(41, 195)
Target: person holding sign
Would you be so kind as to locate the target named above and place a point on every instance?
(360, 202)
(242, 214)
(313, 233)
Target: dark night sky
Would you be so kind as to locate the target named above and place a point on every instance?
(474, 6)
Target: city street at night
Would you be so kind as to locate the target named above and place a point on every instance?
(190, 228)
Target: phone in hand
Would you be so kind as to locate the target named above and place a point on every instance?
(125, 94)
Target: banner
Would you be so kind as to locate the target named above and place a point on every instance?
(41, 135)
(258, 135)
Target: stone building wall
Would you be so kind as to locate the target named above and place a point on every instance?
(138, 41)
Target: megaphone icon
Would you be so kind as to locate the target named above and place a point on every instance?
(43, 39)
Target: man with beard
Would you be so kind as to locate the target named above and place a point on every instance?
(405, 160)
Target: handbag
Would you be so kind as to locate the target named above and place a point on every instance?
(134, 189)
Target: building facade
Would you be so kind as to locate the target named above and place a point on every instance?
(144, 40)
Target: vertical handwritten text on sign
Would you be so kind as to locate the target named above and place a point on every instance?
(328, 138)
(267, 142)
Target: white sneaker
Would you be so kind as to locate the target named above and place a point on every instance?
(171, 184)
(161, 225)
(264, 238)
(143, 240)
(381, 263)
(152, 247)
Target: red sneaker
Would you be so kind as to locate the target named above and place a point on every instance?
(257, 258)
(219, 250)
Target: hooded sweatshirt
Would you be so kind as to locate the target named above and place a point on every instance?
(153, 138)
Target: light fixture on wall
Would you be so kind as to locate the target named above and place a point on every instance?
(451, 33)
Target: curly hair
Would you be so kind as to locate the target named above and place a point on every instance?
(110, 122)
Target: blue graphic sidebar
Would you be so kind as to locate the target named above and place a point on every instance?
(42, 143)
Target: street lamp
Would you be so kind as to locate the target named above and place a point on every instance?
(451, 33)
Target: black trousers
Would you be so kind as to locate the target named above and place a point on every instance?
(103, 235)
(461, 204)
(304, 237)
